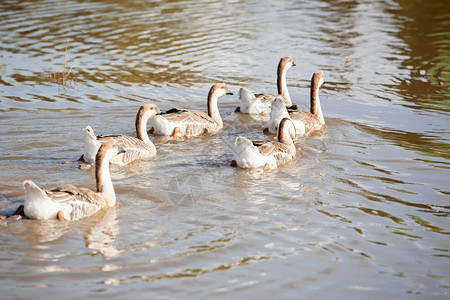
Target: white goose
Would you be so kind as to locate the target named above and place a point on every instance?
(253, 103)
(188, 122)
(305, 122)
(135, 148)
(267, 154)
(67, 202)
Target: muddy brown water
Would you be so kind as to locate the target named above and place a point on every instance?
(361, 212)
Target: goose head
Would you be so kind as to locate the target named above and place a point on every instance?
(150, 110)
(218, 90)
(107, 151)
(146, 112)
(317, 80)
(286, 63)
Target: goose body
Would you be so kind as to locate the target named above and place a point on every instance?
(267, 154)
(188, 122)
(134, 148)
(305, 122)
(70, 202)
(253, 105)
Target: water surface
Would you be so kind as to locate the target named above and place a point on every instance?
(361, 211)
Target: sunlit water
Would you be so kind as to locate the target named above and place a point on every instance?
(362, 211)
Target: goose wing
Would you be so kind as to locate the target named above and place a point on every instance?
(311, 121)
(268, 97)
(303, 116)
(187, 116)
(78, 202)
(126, 142)
(70, 194)
(279, 151)
(134, 148)
(269, 148)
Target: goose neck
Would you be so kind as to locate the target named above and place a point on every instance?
(103, 178)
(213, 110)
(141, 127)
(282, 84)
(284, 134)
(315, 107)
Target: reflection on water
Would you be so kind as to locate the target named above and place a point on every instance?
(362, 210)
(46, 231)
(426, 145)
(425, 31)
(102, 236)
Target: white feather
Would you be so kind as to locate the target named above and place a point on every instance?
(91, 145)
(38, 204)
(248, 156)
(250, 104)
(278, 112)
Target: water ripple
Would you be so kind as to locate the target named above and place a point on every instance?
(373, 183)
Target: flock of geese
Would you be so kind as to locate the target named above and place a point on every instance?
(67, 202)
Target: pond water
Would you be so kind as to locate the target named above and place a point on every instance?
(362, 211)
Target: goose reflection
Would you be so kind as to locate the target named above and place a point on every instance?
(101, 237)
(45, 231)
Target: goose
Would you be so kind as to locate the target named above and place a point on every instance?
(135, 148)
(266, 154)
(187, 122)
(67, 202)
(305, 122)
(251, 103)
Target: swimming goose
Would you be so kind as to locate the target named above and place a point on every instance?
(305, 122)
(67, 202)
(190, 122)
(313, 119)
(135, 148)
(252, 105)
(249, 100)
(267, 154)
